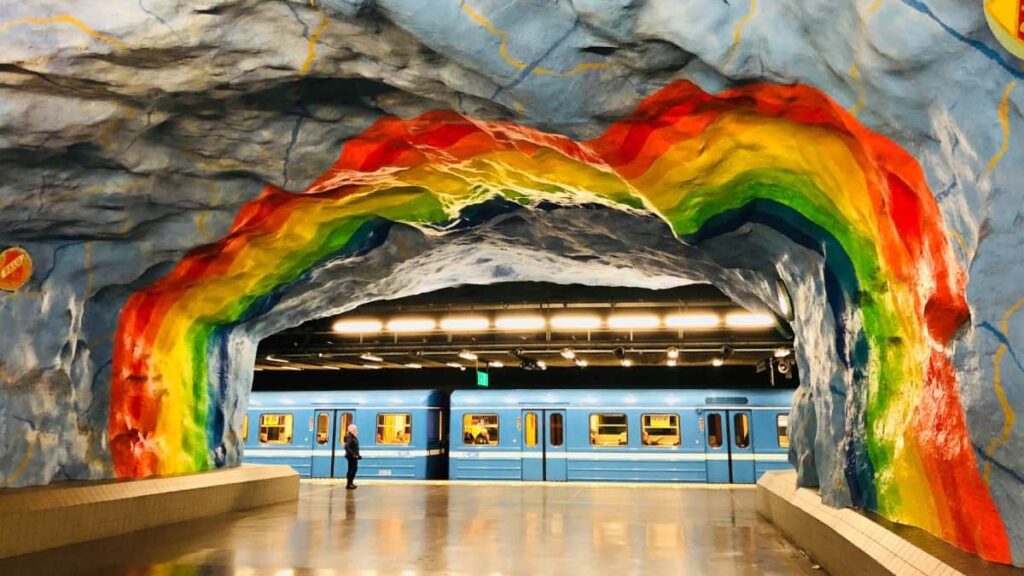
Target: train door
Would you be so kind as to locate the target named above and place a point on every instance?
(554, 446)
(533, 445)
(716, 446)
(323, 444)
(342, 420)
(544, 445)
(741, 446)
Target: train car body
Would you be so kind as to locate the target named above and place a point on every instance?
(708, 436)
(401, 433)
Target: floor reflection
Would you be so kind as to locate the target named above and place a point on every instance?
(417, 529)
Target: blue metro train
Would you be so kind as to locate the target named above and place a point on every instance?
(704, 436)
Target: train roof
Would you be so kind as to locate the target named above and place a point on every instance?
(353, 398)
(705, 398)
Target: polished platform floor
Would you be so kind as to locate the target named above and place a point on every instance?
(441, 528)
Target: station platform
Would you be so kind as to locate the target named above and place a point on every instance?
(454, 528)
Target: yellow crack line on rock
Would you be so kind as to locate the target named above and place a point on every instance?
(1009, 415)
(862, 93)
(1004, 121)
(519, 65)
(960, 240)
(24, 463)
(66, 19)
(737, 33)
(313, 39)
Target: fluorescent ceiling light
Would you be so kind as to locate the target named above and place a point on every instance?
(372, 366)
(520, 322)
(465, 323)
(576, 321)
(496, 364)
(692, 320)
(581, 363)
(568, 353)
(455, 365)
(270, 358)
(358, 326)
(371, 357)
(749, 320)
(411, 325)
(717, 362)
(467, 355)
(633, 321)
(782, 352)
(414, 365)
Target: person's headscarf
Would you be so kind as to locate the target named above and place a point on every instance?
(353, 430)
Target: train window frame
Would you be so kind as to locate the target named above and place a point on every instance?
(558, 440)
(468, 417)
(736, 430)
(289, 424)
(531, 431)
(595, 430)
(782, 430)
(644, 434)
(720, 437)
(382, 422)
(342, 425)
(323, 433)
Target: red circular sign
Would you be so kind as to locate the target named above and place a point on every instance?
(15, 268)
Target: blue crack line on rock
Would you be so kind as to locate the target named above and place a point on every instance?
(1004, 341)
(142, 5)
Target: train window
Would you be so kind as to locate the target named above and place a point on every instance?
(480, 429)
(741, 425)
(530, 432)
(394, 428)
(440, 424)
(715, 430)
(344, 420)
(245, 430)
(275, 428)
(659, 429)
(608, 430)
(323, 428)
(782, 429)
(555, 431)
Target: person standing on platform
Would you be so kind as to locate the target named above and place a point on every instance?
(352, 455)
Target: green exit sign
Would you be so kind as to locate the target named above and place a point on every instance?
(483, 380)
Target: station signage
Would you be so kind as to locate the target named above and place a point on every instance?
(15, 268)
(483, 380)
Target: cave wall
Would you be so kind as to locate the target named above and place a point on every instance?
(134, 132)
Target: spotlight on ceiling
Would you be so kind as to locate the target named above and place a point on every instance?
(576, 322)
(633, 321)
(357, 326)
(626, 362)
(749, 320)
(414, 365)
(692, 320)
(581, 363)
(542, 365)
(371, 357)
(672, 352)
(717, 362)
(467, 355)
(455, 365)
(520, 322)
(411, 324)
(782, 352)
(465, 323)
(495, 364)
(568, 353)
(671, 362)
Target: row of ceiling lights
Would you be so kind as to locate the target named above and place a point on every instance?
(671, 355)
(526, 322)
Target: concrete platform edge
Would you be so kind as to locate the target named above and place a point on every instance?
(35, 519)
(842, 541)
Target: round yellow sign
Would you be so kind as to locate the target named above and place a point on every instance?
(1006, 18)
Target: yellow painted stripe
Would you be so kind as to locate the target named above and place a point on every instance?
(66, 19)
(313, 39)
(1004, 121)
(1009, 416)
(24, 462)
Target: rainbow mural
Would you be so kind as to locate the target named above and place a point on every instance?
(785, 156)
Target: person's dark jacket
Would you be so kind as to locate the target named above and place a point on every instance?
(351, 446)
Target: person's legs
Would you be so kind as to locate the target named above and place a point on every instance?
(353, 465)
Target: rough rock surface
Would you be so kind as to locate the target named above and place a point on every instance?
(132, 132)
